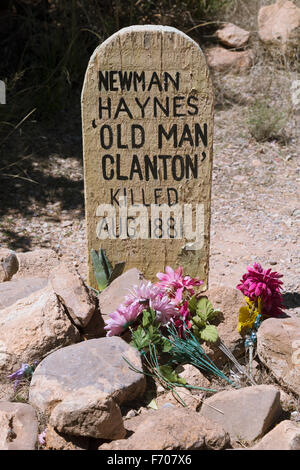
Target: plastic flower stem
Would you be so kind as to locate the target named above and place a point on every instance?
(250, 360)
(190, 351)
(242, 370)
(254, 306)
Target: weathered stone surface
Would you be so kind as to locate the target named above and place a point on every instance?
(96, 363)
(31, 328)
(285, 436)
(279, 26)
(192, 375)
(232, 35)
(179, 395)
(173, 69)
(278, 347)
(247, 413)
(18, 426)
(114, 294)
(223, 60)
(228, 301)
(88, 413)
(58, 441)
(9, 264)
(95, 327)
(73, 294)
(36, 263)
(18, 289)
(173, 429)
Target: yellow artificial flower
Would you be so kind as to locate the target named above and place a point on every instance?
(248, 314)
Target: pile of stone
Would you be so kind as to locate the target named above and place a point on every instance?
(83, 394)
(278, 31)
(233, 57)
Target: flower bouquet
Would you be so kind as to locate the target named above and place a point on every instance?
(263, 298)
(167, 323)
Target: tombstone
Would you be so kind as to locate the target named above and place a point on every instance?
(147, 113)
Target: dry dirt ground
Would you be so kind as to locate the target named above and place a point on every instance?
(255, 191)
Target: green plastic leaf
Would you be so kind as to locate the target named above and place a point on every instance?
(153, 405)
(193, 304)
(146, 318)
(171, 376)
(140, 339)
(99, 270)
(205, 310)
(197, 321)
(209, 334)
(116, 272)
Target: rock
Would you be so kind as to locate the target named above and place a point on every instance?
(58, 441)
(233, 36)
(93, 368)
(31, 328)
(9, 264)
(192, 401)
(18, 289)
(228, 301)
(167, 429)
(285, 436)
(193, 397)
(95, 327)
(73, 294)
(90, 414)
(114, 294)
(133, 423)
(18, 426)
(247, 413)
(193, 376)
(279, 27)
(38, 263)
(223, 60)
(278, 347)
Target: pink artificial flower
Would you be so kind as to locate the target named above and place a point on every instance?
(175, 284)
(165, 310)
(143, 293)
(122, 318)
(170, 278)
(183, 322)
(259, 282)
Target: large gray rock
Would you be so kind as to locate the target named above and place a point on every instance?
(18, 426)
(18, 289)
(73, 294)
(285, 436)
(278, 347)
(173, 429)
(81, 385)
(31, 328)
(247, 413)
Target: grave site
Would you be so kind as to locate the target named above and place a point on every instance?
(149, 233)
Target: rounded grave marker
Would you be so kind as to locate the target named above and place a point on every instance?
(147, 114)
